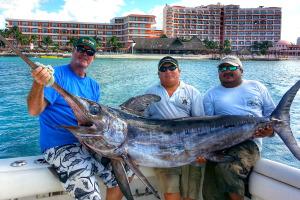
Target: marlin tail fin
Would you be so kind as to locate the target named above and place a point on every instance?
(282, 115)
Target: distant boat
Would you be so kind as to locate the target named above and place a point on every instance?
(51, 57)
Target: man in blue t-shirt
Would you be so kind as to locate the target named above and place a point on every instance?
(75, 166)
(235, 96)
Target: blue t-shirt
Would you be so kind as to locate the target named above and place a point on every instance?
(58, 112)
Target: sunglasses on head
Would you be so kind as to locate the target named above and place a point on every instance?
(225, 68)
(88, 52)
(165, 68)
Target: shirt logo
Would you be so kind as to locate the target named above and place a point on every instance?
(184, 101)
(253, 103)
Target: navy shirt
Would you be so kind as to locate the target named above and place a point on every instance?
(58, 112)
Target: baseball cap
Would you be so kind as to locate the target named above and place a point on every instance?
(87, 41)
(233, 60)
(168, 59)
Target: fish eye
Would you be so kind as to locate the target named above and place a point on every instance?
(95, 109)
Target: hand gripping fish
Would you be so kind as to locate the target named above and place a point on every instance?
(126, 137)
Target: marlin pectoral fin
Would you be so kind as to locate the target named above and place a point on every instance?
(137, 105)
(140, 175)
(121, 178)
(219, 157)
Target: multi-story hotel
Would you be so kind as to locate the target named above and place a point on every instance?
(241, 26)
(124, 28)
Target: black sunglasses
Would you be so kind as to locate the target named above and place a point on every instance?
(88, 52)
(170, 68)
(225, 68)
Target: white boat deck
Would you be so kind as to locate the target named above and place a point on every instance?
(34, 180)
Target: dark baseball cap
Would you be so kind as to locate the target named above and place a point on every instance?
(87, 41)
(168, 59)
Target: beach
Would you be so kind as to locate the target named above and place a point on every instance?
(114, 55)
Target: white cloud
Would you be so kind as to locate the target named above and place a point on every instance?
(158, 12)
(135, 11)
(75, 10)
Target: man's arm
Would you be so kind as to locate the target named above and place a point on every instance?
(35, 100)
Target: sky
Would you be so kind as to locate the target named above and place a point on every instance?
(102, 11)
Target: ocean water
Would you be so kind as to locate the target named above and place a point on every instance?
(121, 79)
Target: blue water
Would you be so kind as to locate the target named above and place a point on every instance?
(124, 78)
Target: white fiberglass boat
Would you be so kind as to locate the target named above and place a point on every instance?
(28, 178)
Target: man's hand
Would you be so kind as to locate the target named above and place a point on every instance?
(268, 131)
(43, 75)
(200, 160)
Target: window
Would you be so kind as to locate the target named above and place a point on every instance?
(55, 31)
(24, 23)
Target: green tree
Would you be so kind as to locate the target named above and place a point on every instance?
(114, 43)
(261, 47)
(227, 47)
(55, 47)
(33, 39)
(47, 41)
(15, 33)
(24, 39)
(4, 33)
(163, 36)
(211, 45)
(72, 41)
(98, 41)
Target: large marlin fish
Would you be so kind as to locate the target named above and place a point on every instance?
(123, 135)
(126, 137)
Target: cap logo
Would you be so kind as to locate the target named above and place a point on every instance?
(88, 41)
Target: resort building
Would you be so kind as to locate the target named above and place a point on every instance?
(124, 28)
(241, 26)
(284, 49)
(168, 46)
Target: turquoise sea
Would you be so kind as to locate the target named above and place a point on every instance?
(123, 78)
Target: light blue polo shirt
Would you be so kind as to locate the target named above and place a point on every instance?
(186, 101)
(58, 112)
(249, 98)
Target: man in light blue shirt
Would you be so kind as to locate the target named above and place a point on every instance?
(235, 96)
(178, 99)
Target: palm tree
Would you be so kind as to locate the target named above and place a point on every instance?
(226, 47)
(47, 41)
(72, 41)
(114, 43)
(4, 33)
(16, 34)
(211, 45)
(163, 36)
(98, 41)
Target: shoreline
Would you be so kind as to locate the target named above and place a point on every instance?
(151, 56)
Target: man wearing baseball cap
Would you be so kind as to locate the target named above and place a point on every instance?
(235, 96)
(178, 99)
(75, 166)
